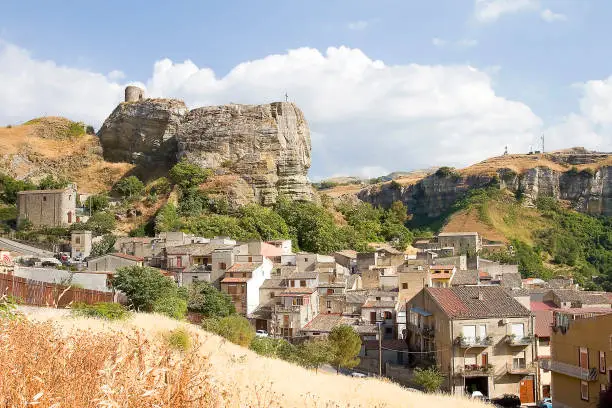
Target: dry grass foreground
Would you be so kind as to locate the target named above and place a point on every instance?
(54, 360)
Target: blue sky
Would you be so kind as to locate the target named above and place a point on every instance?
(410, 84)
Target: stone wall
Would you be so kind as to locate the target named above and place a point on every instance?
(47, 207)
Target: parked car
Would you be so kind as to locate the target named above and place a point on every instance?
(261, 333)
(507, 401)
(357, 375)
(545, 403)
(478, 395)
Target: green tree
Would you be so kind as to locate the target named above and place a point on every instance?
(398, 212)
(167, 219)
(267, 346)
(263, 222)
(129, 187)
(50, 183)
(214, 225)
(206, 299)
(315, 353)
(101, 223)
(174, 307)
(9, 187)
(143, 286)
(346, 344)
(104, 246)
(96, 202)
(430, 379)
(187, 175)
(234, 328)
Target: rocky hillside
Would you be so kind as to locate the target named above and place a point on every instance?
(256, 151)
(59, 147)
(582, 178)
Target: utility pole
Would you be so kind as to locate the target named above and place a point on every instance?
(379, 350)
(543, 151)
(286, 97)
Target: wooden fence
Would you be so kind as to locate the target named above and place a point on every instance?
(37, 293)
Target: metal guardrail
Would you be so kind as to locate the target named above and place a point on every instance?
(584, 374)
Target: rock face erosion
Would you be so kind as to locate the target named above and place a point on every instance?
(268, 146)
(142, 131)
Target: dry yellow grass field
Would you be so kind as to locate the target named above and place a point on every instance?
(120, 364)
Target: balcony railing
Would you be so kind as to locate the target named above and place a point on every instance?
(584, 374)
(286, 309)
(514, 368)
(474, 370)
(426, 331)
(469, 342)
(518, 341)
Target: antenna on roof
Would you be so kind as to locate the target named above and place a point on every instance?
(286, 97)
(506, 151)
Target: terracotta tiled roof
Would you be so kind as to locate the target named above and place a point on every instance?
(441, 275)
(543, 322)
(477, 302)
(297, 291)
(537, 306)
(196, 249)
(349, 253)
(126, 256)
(511, 280)
(244, 267)
(581, 297)
(441, 267)
(234, 280)
(483, 275)
(303, 275)
(323, 322)
(274, 283)
(469, 277)
(356, 296)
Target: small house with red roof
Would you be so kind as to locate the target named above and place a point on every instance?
(242, 281)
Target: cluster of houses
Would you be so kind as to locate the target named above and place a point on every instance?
(483, 326)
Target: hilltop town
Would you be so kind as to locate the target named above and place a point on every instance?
(492, 279)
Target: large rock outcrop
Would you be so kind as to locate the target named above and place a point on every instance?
(258, 152)
(268, 146)
(143, 131)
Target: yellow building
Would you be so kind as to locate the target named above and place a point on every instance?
(581, 357)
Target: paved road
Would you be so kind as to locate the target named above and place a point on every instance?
(15, 246)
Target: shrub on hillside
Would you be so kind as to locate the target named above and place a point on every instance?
(430, 379)
(102, 310)
(101, 223)
(167, 219)
(51, 183)
(144, 286)
(178, 339)
(9, 187)
(129, 187)
(206, 299)
(96, 203)
(187, 175)
(234, 328)
(174, 307)
(346, 345)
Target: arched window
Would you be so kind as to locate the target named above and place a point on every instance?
(69, 217)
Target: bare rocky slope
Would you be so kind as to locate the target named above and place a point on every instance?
(580, 177)
(265, 147)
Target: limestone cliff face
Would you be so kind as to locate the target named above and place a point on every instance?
(143, 131)
(587, 191)
(268, 146)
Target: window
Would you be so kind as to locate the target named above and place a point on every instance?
(179, 262)
(232, 289)
(272, 295)
(328, 304)
(330, 291)
(302, 283)
(305, 259)
(44, 198)
(470, 360)
(543, 342)
(250, 259)
(482, 331)
(404, 286)
(194, 278)
(469, 333)
(231, 274)
(77, 240)
(377, 297)
(583, 360)
(485, 359)
(388, 330)
(602, 362)
(297, 302)
(518, 361)
(285, 320)
(372, 317)
(222, 265)
(584, 390)
(518, 330)
(388, 315)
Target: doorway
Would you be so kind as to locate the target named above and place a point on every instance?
(477, 384)
(526, 391)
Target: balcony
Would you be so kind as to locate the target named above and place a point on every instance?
(474, 370)
(470, 342)
(518, 341)
(520, 369)
(287, 309)
(425, 331)
(584, 374)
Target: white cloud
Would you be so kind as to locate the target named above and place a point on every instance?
(591, 127)
(438, 42)
(550, 17)
(491, 10)
(467, 43)
(116, 75)
(358, 25)
(365, 116)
